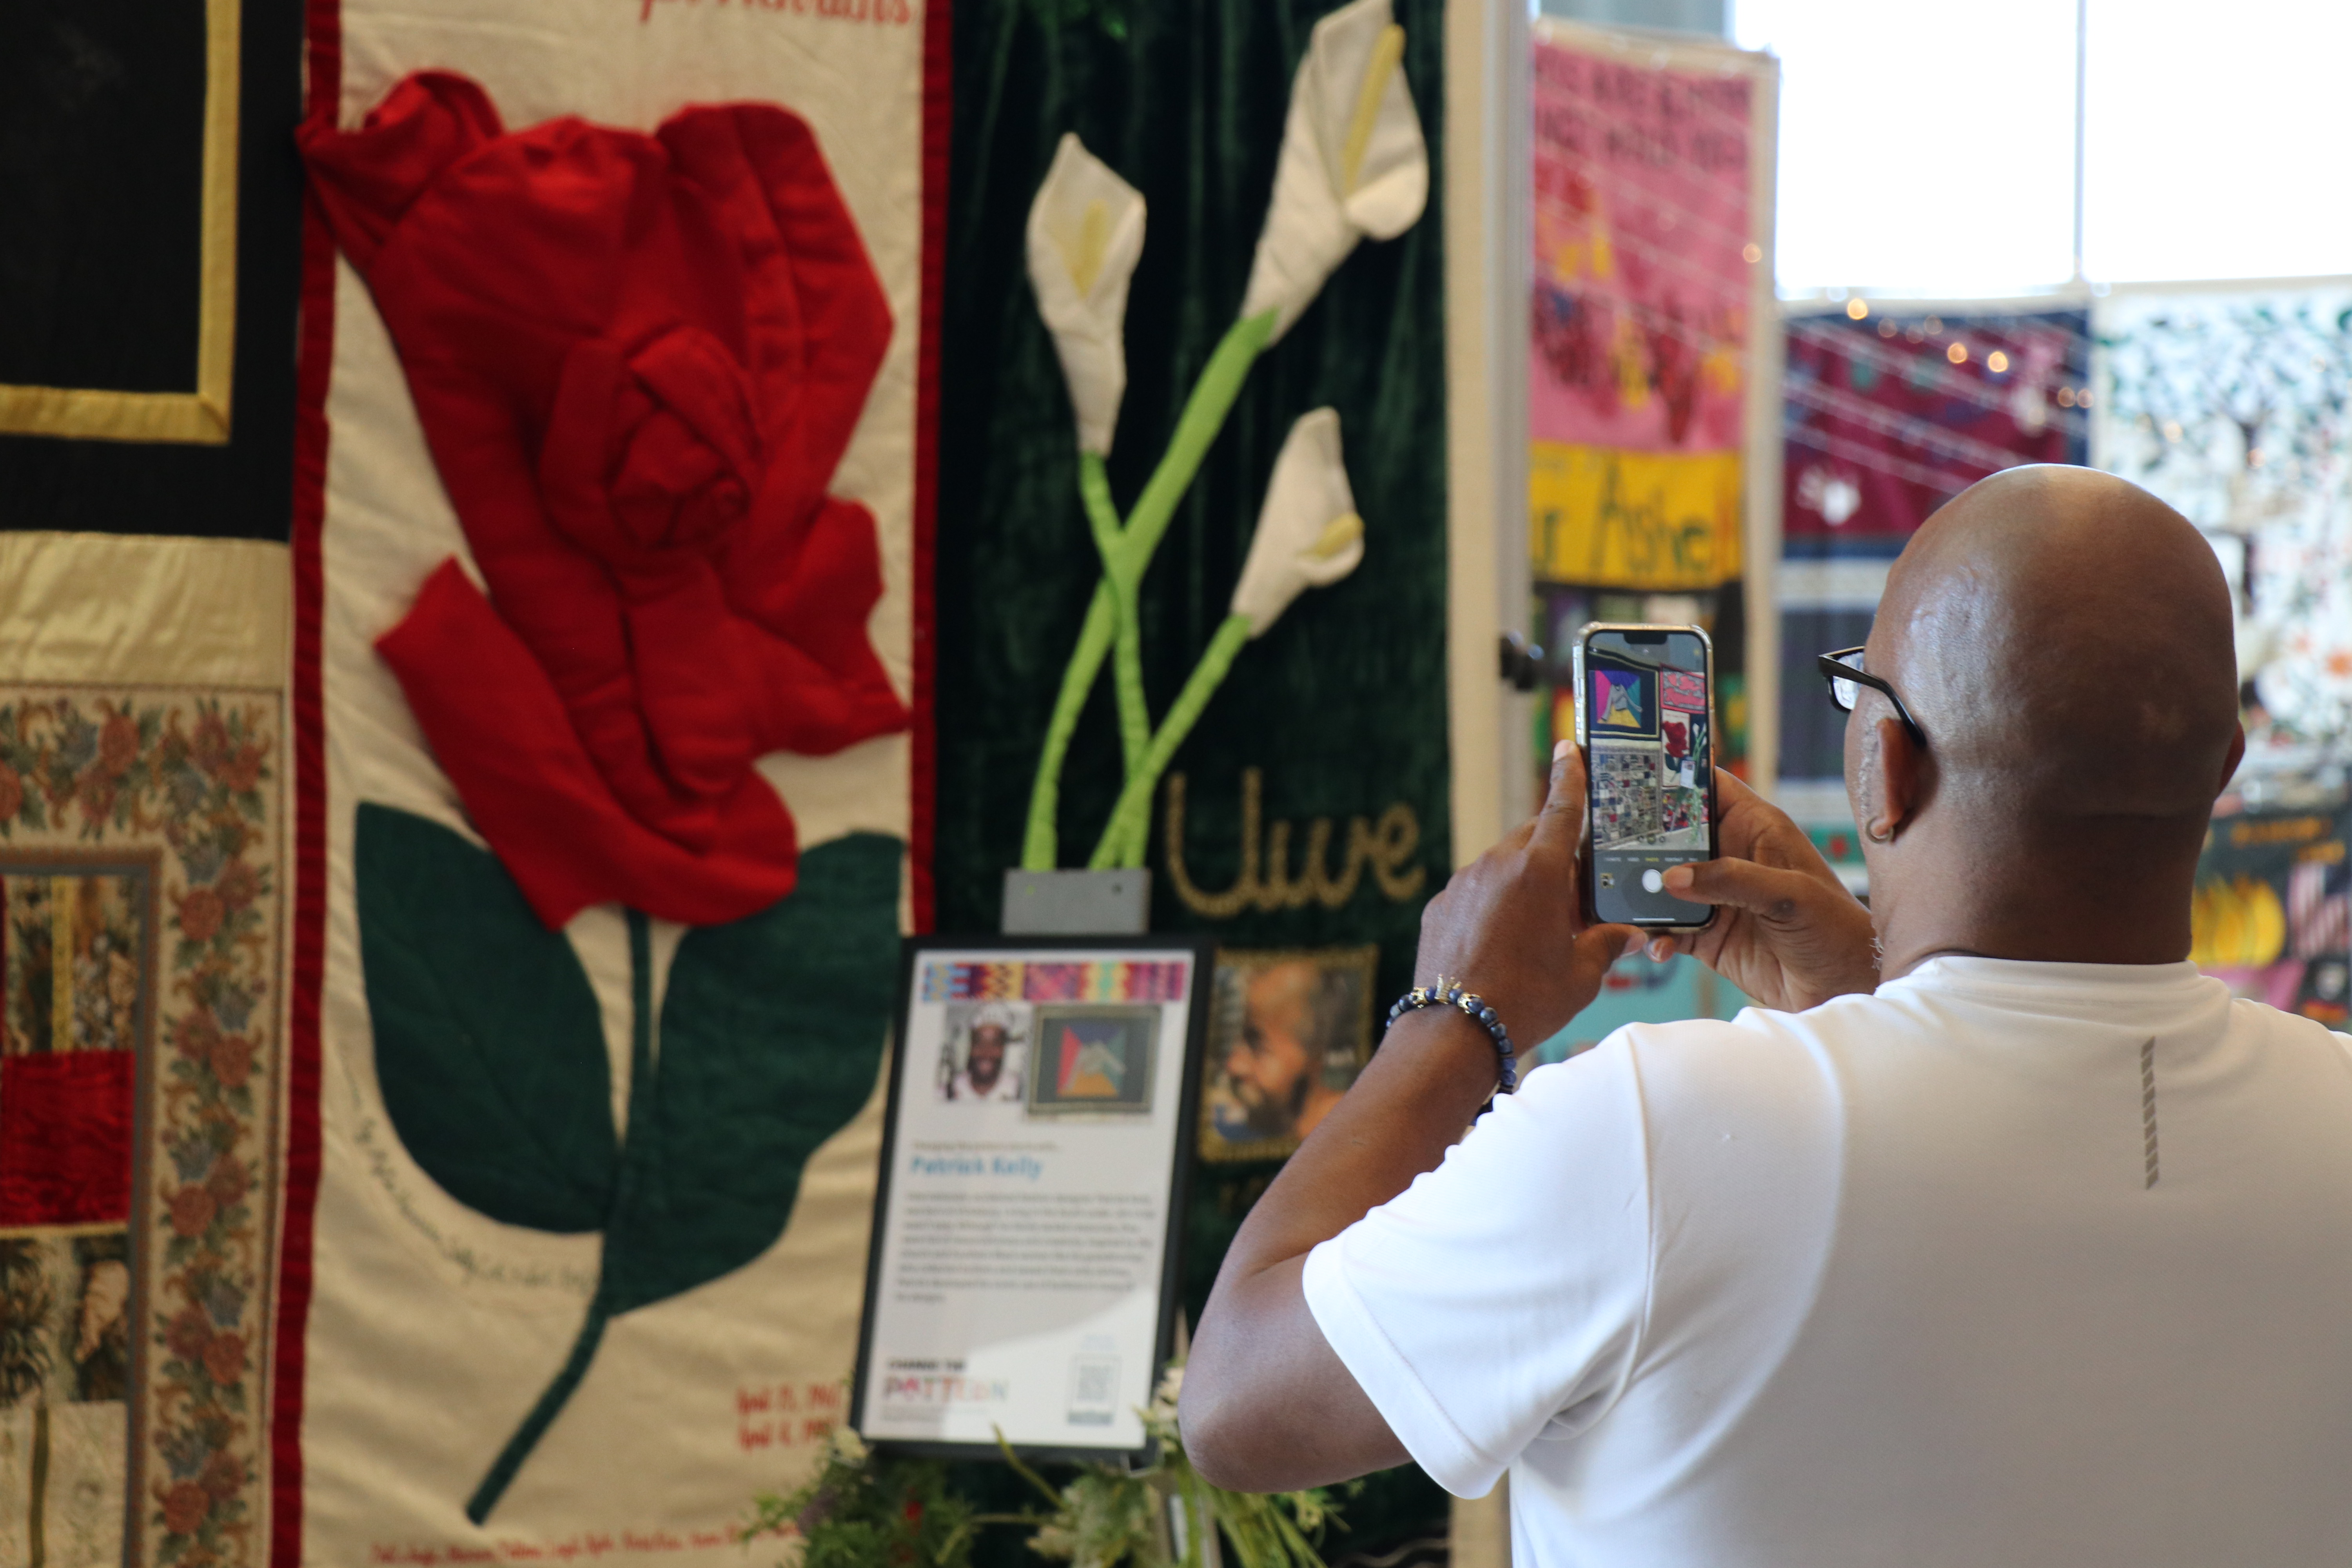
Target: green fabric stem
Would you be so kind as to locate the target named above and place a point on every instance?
(1124, 574)
(558, 1392)
(1196, 431)
(1112, 617)
(1123, 841)
(1039, 846)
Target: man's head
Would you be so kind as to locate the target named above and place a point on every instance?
(984, 1062)
(1274, 1064)
(2064, 640)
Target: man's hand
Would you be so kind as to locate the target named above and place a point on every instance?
(1509, 925)
(1786, 932)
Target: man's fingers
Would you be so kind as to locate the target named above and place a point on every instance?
(1741, 884)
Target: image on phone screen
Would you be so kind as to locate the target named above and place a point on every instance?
(1651, 769)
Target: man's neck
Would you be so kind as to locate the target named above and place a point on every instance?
(2102, 891)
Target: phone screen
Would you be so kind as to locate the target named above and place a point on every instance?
(1651, 769)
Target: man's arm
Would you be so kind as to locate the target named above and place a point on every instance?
(1268, 1405)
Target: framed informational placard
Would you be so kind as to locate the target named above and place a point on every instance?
(1023, 1274)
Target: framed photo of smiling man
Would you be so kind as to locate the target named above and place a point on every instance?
(1022, 1274)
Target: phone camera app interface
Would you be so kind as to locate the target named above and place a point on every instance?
(1646, 716)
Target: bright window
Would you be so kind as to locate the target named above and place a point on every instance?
(1929, 148)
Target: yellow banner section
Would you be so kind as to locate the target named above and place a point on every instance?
(1659, 521)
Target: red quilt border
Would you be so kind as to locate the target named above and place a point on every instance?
(939, 94)
(323, 21)
(314, 368)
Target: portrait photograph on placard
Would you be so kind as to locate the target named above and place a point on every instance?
(1288, 1031)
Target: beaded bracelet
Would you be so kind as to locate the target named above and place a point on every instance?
(1449, 993)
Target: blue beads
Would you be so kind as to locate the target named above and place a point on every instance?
(1474, 1007)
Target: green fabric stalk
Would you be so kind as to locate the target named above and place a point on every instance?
(558, 1394)
(1112, 619)
(1039, 848)
(1123, 841)
(1123, 575)
(1196, 431)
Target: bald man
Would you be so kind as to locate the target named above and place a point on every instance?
(1996, 1235)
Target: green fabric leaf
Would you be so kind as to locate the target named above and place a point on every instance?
(772, 1034)
(489, 1047)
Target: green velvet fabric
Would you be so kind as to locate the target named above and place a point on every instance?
(1341, 705)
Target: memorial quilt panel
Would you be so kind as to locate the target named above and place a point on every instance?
(613, 755)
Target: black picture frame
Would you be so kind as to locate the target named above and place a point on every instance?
(1202, 950)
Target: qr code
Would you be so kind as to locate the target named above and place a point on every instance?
(1094, 1389)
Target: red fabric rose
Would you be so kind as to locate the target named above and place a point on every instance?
(191, 1210)
(638, 360)
(185, 1507)
(200, 914)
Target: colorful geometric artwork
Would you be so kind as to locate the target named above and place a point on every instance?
(1016, 980)
(1095, 1059)
(139, 1104)
(1624, 702)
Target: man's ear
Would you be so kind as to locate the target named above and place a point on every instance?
(2230, 763)
(1901, 778)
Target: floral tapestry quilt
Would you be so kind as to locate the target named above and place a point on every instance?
(141, 1055)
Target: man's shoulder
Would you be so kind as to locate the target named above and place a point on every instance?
(2279, 1025)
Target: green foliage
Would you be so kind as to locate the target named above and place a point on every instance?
(863, 1510)
(1110, 1516)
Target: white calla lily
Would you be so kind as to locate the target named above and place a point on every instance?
(1086, 235)
(1308, 534)
(1353, 162)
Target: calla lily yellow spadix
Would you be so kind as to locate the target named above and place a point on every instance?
(1309, 535)
(1353, 161)
(1086, 235)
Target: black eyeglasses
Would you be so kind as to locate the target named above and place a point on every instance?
(1843, 671)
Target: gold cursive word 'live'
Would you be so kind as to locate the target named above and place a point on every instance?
(1266, 881)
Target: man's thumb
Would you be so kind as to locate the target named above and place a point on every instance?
(1597, 947)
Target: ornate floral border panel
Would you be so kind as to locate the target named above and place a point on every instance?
(141, 963)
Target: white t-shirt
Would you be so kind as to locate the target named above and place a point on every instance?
(2009, 1264)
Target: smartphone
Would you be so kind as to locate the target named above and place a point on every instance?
(1645, 723)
